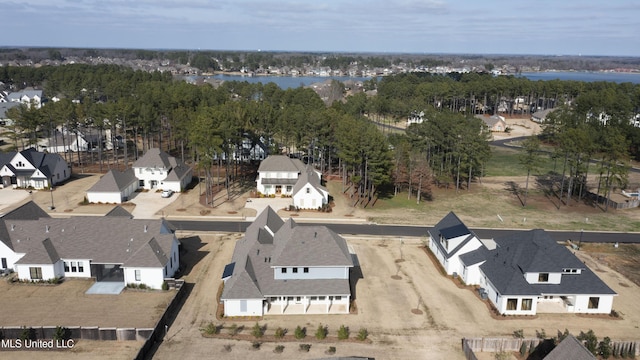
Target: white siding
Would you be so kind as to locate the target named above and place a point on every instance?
(233, 307)
(604, 304)
(104, 197)
(152, 277)
(8, 254)
(86, 268)
(49, 271)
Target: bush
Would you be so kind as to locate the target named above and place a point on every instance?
(321, 332)
(604, 348)
(518, 334)
(256, 345)
(61, 333)
(211, 329)
(343, 333)
(280, 332)
(27, 334)
(363, 334)
(165, 286)
(331, 350)
(590, 340)
(541, 334)
(257, 331)
(279, 349)
(300, 333)
(305, 347)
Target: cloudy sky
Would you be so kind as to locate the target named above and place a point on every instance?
(546, 27)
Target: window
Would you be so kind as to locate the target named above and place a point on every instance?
(305, 270)
(137, 274)
(289, 188)
(4, 263)
(526, 304)
(141, 182)
(74, 266)
(243, 306)
(66, 266)
(308, 190)
(35, 273)
(337, 298)
(512, 304)
(283, 270)
(295, 270)
(594, 302)
(80, 266)
(298, 298)
(543, 277)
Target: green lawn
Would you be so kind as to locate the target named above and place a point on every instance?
(505, 162)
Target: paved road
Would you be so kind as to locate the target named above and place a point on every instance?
(410, 231)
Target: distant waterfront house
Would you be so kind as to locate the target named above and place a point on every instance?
(30, 168)
(495, 123)
(522, 273)
(283, 268)
(159, 170)
(112, 248)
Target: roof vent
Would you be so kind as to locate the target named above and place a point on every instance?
(13, 227)
(315, 234)
(146, 228)
(47, 228)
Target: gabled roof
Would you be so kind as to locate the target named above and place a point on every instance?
(44, 162)
(451, 227)
(270, 242)
(106, 240)
(26, 211)
(570, 349)
(114, 181)
(119, 211)
(6, 106)
(281, 163)
(155, 158)
(311, 177)
(535, 252)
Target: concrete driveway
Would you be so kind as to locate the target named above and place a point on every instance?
(9, 197)
(149, 203)
(260, 204)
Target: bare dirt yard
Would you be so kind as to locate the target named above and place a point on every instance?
(67, 305)
(409, 308)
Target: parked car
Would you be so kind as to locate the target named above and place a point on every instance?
(167, 193)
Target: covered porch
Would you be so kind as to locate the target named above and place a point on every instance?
(554, 304)
(299, 305)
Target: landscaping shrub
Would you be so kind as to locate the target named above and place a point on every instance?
(305, 347)
(233, 330)
(300, 333)
(257, 331)
(211, 329)
(256, 345)
(321, 332)
(363, 334)
(343, 333)
(280, 332)
(279, 349)
(331, 350)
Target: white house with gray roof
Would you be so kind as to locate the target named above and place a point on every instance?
(281, 267)
(523, 273)
(159, 170)
(114, 187)
(280, 175)
(112, 248)
(31, 168)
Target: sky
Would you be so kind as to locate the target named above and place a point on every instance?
(541, 27)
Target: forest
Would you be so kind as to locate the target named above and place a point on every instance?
(206, 124)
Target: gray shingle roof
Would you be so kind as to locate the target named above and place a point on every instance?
(535, 251)
(155, 158)
(309, 176)
(108, 239)
(281, 163)
(451, 227)
(570, 349)
(119, 211)
(114, 181)
(290, 245)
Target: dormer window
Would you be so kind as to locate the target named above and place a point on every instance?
(543, 277)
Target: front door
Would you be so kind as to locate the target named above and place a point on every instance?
(4, 263)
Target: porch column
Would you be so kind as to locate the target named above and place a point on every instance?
(281, 304)
(304, 304)
(328, 303)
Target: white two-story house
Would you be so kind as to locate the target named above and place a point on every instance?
(159, 170)
(523, 273)
(32, 169)
(281, 267)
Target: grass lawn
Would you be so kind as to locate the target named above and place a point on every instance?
(506, 162)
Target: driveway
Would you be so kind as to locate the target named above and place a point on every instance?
(10, 197)
(149, 203)
(259, 204)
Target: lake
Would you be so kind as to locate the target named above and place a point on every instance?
(288, 82)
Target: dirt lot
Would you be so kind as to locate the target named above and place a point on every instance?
(398, 278)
